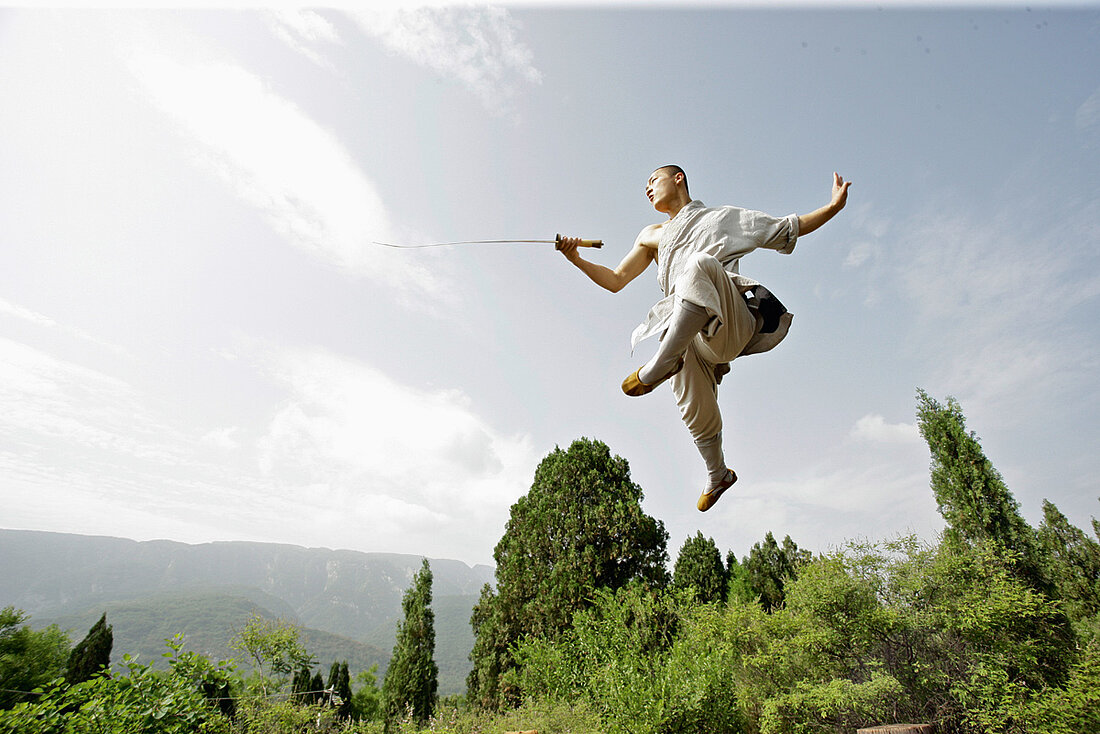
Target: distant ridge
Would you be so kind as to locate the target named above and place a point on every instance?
(69, 578)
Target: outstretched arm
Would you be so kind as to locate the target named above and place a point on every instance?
(809, 222)
(635, 262)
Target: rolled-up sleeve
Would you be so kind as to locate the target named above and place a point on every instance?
(775, 233)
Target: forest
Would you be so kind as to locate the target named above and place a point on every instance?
(994, 626)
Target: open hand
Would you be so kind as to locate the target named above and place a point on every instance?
(840, 191)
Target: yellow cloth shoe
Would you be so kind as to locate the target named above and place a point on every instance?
(711, 494)
(633, 385)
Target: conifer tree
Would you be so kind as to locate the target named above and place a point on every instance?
(970, 492)
(1072, 561)
(699, 566)
(738, 583)
(579, 528)
(412, 678)
(316, 688)
(92, 654)
(770, 566)
(339, 682)
(300, 685)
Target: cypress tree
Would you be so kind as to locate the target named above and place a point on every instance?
(316, 688)
(699, 566)
(342, 688)
(300, 685)
(970, 492)
(770, 566)
(579, 528)
(91, 655)
(412, 678)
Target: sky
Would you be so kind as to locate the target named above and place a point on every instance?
(199, 340)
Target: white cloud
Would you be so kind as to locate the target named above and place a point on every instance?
(276, 158)
(1088, 114)
(303, 31)
(352, 459)
(26, 314)
(996, 298)
(410, 452)
(475, 45)
(875, 428)
(880, 497)
(223, 438)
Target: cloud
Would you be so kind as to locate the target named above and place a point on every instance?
(223, 438)
(276, 158)
(351, 458)
(419, 455)
(874, 428)
(1088, 114)
(475, 45)
(997, 301)
(26, 314)
(879, 496)
(302, 31)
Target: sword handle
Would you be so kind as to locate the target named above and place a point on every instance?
(583, 243)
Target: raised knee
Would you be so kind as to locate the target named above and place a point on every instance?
(698, 267)
(702, 261)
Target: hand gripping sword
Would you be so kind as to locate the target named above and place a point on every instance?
(556, 242)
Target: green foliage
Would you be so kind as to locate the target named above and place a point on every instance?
(412, 678)
(28, 658)
(699, 567)
(366, 701)
(274, 646)
(970, 492)
(738, 583)
(1072, 561)
(142, 701)
(769, 567)
(339, 682)
(948, 635)
(580, 528)
(91, 655)
(643, 659)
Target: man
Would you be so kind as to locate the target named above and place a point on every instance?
(710, 314)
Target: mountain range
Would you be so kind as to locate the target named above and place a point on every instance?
(347, 603)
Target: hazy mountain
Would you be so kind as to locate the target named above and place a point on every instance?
(156, 589)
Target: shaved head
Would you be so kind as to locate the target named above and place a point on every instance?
(672, 169)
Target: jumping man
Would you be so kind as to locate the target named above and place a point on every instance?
(710, 314)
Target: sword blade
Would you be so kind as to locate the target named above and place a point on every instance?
(467, 242)
(583, 243)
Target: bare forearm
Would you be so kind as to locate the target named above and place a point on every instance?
(601, 275)
(615, 280)
(809, 222)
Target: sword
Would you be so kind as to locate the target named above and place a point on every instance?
(556, 241)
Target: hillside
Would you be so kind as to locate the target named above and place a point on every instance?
(348, 602)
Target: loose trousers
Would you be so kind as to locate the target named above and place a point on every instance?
(705, 283)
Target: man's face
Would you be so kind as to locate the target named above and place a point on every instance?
(660, 188)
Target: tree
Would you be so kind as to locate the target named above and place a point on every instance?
(28, 658)
(578, 529)
(366, 702)
(316, 688)
(299, 685)
(1072, 561)
(699, 566)
(738, 583)
(413, 677)
(770, 567)
(92, 654)
(274, 646)
(970, 493)
(339, 682)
